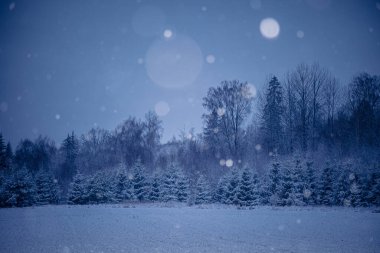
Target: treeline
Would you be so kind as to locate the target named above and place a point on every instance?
(308, 114)
(294, 183)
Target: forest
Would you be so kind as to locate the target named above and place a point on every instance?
(303, 139)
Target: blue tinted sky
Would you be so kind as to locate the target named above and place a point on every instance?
(73, 65)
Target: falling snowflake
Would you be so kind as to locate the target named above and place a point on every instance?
(57, 117)
(168, 33)
(12, 6)
(3, 107)
(300, 34)
(210, 59)
(255, 4)
(221, 111)
(249, 91)
(258, 147)
(307, 193)
(162, 108)
(229, 163)
(222, 162)
(204, 8)
(269, 28)
(140, 60)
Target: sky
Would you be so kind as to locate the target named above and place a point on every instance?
(73, 65)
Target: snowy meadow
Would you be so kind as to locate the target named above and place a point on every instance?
(150, 228)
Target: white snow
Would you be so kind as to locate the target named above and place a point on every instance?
(269, 28)
(146, 228)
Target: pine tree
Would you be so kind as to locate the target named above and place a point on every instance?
(373, 185)
(274, 183)
(47, 189)
(310, 190)
(122, 188)
(21, 189)
(78, 193)
(202, 191)
(169, 184)
(69, 151)
(299, 184)
(255, 190)
(99, 189)
(3, 158)
(8, 157)
(245, 188)
(155, 187)
(232, 188)
(326, 187)
(272, 115)
(341, 193)
(287, 194)
(355, 190)
(221, 190)
(139, 182)
(182, 187)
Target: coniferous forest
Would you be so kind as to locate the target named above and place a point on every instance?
(302, 139)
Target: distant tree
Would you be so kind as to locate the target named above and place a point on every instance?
(299, 183)
(275, 179)
(287, 196)
(169, 184)
(78, 191)
(310, 191)
(69, 151)
(99, 189)
(8, 157)
(202, 191)
(221, 190)
(228, 106)
(272, 123)
(182, 186)
(3, 157)
(151, 135)
(355, 190)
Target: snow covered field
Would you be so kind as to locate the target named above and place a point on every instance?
(117, 228)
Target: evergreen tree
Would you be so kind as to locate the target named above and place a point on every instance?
(3, 157)
(287, 194)
(341, 195)
(169, 184)
(47, 189)
(182, 187)
(355, 190)
(221, 190)
(232, 188)
(202, 191)
(78, 193)
(155, 187)
(299, 183)
(274, 183)
(272, 115)
(310, 190)
(122, 188)
(373, 186)
(139, 182)
(69, 151)
(255, 190)
(8, 157)
(326, 187)
(245, 189)
(21, 189)
(99, 189)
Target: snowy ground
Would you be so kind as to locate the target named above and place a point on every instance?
(115, 228)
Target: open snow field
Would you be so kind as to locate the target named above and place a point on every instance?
(115, 228)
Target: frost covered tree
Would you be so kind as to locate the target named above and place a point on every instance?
(275, 179)
(78, 191)
(69, 151)
(245, 189)
(202, 191)
(355, 188)
(326, 190)
(372, 196)
(20, 189)
(310, 190)
(341, 189)
(122, 188)
(182, 186)
(221, 190)
(287, 194)
(47, 189)
(99, 188)
(139, 182)
(299, 185)
(155, 187)
(233, 188)
(169, 184)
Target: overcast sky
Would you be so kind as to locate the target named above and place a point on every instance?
(73, 65)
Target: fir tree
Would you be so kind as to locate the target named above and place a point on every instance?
(245, 190)
(326, 187)
(287, 195)
(155, 187)
(99, 189)
(78, 193)
(341, 196)
(355, 190)
(202, 191)
(310, 190)
(3, 157)
(169, 184)
(299, 184)
(47, 189)
(122, 188)
(139, 182)
(221, 190)
(232, 188)
(255, 190)
(274, 183)
(182, 187)
(21, 189)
